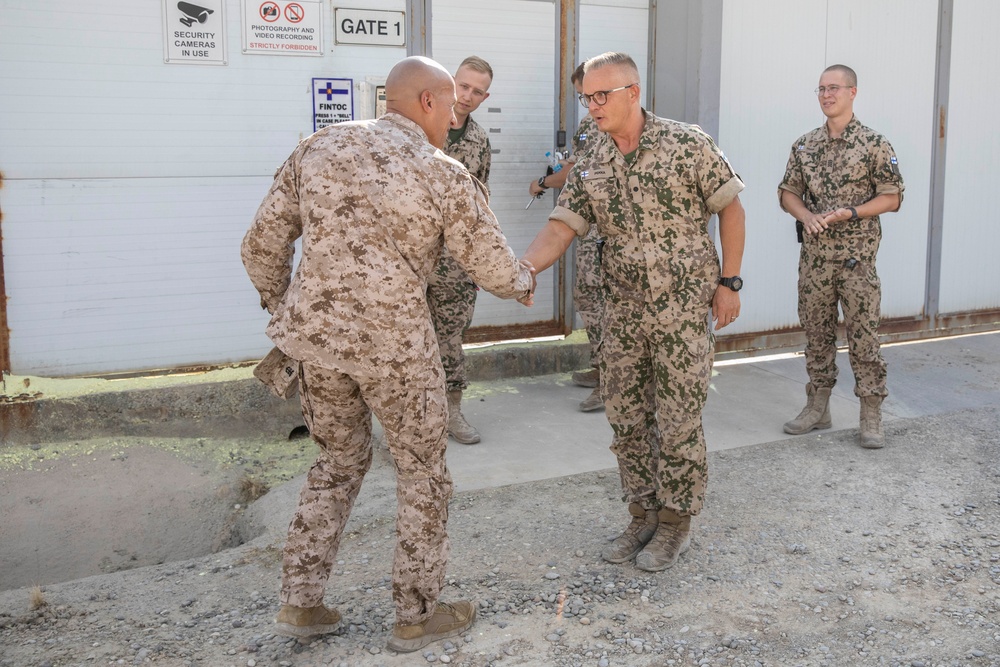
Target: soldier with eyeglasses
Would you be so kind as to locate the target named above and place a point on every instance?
(650, 185)
(840, 177)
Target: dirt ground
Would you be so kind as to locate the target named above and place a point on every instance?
(810, 551)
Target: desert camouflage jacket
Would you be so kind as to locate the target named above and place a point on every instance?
(373, 203)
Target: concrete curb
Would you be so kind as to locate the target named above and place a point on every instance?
(198, 404)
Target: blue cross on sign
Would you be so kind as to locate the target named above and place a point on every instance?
(330, 91)
(333, 101)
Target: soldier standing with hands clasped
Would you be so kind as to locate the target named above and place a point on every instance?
(840, 177)
(374, 202)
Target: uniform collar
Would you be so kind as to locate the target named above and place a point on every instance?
(647, 140)
(405, 123)
(852, 128)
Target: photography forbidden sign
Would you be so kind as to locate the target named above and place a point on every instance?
(283, 28)
(333, 102)
(194, 33)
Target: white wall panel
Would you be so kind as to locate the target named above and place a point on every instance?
(766, 102)
(970, 272)
(773, 52)
(114, 274)
(893, 45)
(616, 26)
(518, 117)
(129, 183)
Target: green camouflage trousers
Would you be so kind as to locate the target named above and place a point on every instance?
(588, 291)
(822, 284)
(655, 372)
(451, 296)
(335, 408)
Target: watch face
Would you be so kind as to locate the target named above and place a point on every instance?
(735, 283)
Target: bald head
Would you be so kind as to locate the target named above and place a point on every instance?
(423, 91)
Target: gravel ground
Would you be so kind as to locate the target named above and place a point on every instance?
(810, 551)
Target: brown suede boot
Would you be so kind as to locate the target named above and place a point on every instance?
(816, 414)
(593, 402)
(588, 378)
(673, 537)
(448, 620)
(635, 537)
(459, 429)
(306, 621)
(872, 436)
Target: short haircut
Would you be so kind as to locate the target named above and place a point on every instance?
(478, 64)
(613, 58)
(852, 76)
(577, 74)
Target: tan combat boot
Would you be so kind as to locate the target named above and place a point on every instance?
(448, 620)
(871, 422)
(593, 402)
(635, 537)
(816, 414)
(460, 429)
(588, 378)
(673, 537)
(306, 621)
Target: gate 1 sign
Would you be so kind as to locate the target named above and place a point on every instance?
(283, 28)
(194, 33)
(333, 102)
(375, 28)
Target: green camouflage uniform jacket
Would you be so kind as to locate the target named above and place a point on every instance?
(834, 173)
(654, 212)
(474, 151)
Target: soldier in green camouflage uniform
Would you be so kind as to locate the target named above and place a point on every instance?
(451, 294)
(650, 185)
(371, 202)
(839, 178)
(588, 288)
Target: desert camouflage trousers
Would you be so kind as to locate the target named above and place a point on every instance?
(655, 372)
(588, 290)
(822, 285)
(335, 408)
(451, 296)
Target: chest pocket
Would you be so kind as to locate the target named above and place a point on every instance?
(602, 191)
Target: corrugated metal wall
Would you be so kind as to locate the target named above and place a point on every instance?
(970, 272)
(773, 52)
(128, 182)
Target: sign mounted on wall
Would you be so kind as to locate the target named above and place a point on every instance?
(371, 27)
(194, 33)
(283, 27)
(333, 102)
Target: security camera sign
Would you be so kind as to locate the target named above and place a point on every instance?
(282, 28)
(194, 33)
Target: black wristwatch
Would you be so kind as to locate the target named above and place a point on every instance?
(854, 213)
(735, 283)
(541, 183)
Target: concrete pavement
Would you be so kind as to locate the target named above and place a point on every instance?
(532, 429)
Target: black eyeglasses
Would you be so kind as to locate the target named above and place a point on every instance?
(601, 96)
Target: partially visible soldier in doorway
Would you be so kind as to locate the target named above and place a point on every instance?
(588, 294)
(451, 294)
